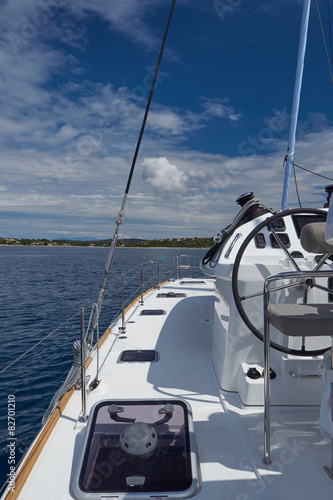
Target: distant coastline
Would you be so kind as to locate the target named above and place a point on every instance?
(195, 242)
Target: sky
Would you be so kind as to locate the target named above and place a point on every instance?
(74, 81)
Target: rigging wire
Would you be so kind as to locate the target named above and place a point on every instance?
(311, 172)
(296, 186)
(326, 50)
(149, 100)
(120, 216)
(329, 57)
(306, 170)
(330, 29)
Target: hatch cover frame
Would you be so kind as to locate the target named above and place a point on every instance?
(146, 355)
(164, 420)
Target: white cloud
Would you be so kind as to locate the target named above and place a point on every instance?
(88, 196)
(173, 121)
(126, 16)
(68, 132)
(217, 107)
(163, 177)
(27, 20)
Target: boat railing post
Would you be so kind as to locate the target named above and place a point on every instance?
(330, 472)
(141, 273)
(158, 275)
(177, 267)
(97, 338)
(173, 269)
(83, 370)
(122, 328)
(267, 421)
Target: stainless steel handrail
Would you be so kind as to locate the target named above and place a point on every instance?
(83, 370)
(281, 276)
(232, 244)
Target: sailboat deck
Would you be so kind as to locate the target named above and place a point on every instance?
(229, 436)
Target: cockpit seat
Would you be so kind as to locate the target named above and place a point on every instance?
(303, 320)
(313, 238)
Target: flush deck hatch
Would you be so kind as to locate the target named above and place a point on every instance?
(140, 447)
(139, 356)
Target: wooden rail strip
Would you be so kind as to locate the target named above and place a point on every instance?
(45, 433)
(39, 445)
(31, 459)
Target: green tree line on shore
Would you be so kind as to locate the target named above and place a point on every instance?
(170, 242)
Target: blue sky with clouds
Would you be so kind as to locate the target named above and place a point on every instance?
(74, 79)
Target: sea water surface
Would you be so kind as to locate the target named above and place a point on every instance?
(41, 288)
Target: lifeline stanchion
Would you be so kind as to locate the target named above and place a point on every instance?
(141, 272)
(158, 275)
(122, 328)
(97, 341)
(83, 370)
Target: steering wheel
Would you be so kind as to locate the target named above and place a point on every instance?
(240, 300)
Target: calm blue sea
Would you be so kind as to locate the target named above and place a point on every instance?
(42, 287)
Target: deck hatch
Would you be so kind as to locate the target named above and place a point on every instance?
(152, 312)
(138, 356)
(170, 295)
(114, 460)
(193, 282)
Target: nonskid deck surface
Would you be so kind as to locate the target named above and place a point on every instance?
(229, 436)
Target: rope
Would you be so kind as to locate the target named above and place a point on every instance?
(230, 229)
(71, 379)
(224, 234)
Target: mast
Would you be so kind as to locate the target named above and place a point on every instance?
(296, 99)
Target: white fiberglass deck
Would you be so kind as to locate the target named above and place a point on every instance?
(229, 436)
